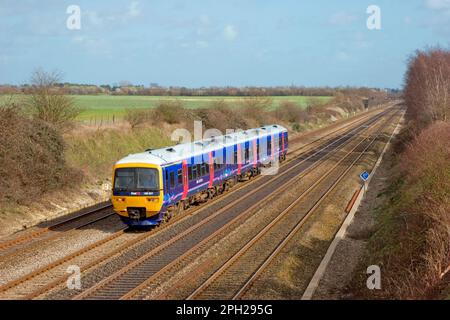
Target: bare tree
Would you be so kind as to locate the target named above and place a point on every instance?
(137, 117)
(427, 86)
(48, 102)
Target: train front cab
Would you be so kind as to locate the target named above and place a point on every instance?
(138, 193)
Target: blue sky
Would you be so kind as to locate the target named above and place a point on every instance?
(211, 42)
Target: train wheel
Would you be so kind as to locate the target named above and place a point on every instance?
(179, 208)
(167, 216)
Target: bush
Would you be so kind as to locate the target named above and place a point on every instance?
(256, 109)
(219, 115)
(31, 157)
(291, 112)
(48, 103)
(412, 242)
(170, 111)
(427, 87)
(137, 117)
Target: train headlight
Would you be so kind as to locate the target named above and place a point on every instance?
(120, 199)
(152, 199)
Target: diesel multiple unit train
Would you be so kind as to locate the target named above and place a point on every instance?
(155, 185)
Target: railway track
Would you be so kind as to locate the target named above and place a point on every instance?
(75, 222)
(235, 269)
(233, 279)
(45, 286)
(9, 247)
(137, 271)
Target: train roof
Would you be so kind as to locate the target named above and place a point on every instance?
(180, 152)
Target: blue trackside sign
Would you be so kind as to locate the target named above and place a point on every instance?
(364, 176)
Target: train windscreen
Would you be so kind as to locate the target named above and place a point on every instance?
(136, 179)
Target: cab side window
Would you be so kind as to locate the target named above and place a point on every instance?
(172, 179)
(194, 172)
(180, 176)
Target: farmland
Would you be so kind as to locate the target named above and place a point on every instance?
(107, 106)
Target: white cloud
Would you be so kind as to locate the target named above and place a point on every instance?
(93, 17)
(101, 19)
(342, 18)
(97, 46)
(230, 32)
(4, 59)
(439, 22)
(134, 9)
(78, 39)
(202, 44)
(203, 25)
(342, 56)
(204, 19)
(361, 41)
(438, 4)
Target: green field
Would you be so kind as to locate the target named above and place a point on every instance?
(107, 106)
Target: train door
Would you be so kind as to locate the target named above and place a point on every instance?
(211, 168)
(254, 153)
(272, 147)
(238, 158)
(184, 169)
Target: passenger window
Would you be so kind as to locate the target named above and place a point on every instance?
(203, 169)
(180, 176)
(190, 173)
(199, 170)
(194, 172)
(172, 179)
(207, 168)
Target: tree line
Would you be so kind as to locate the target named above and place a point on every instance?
(155, 90)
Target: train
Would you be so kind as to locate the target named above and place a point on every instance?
(152, 187)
